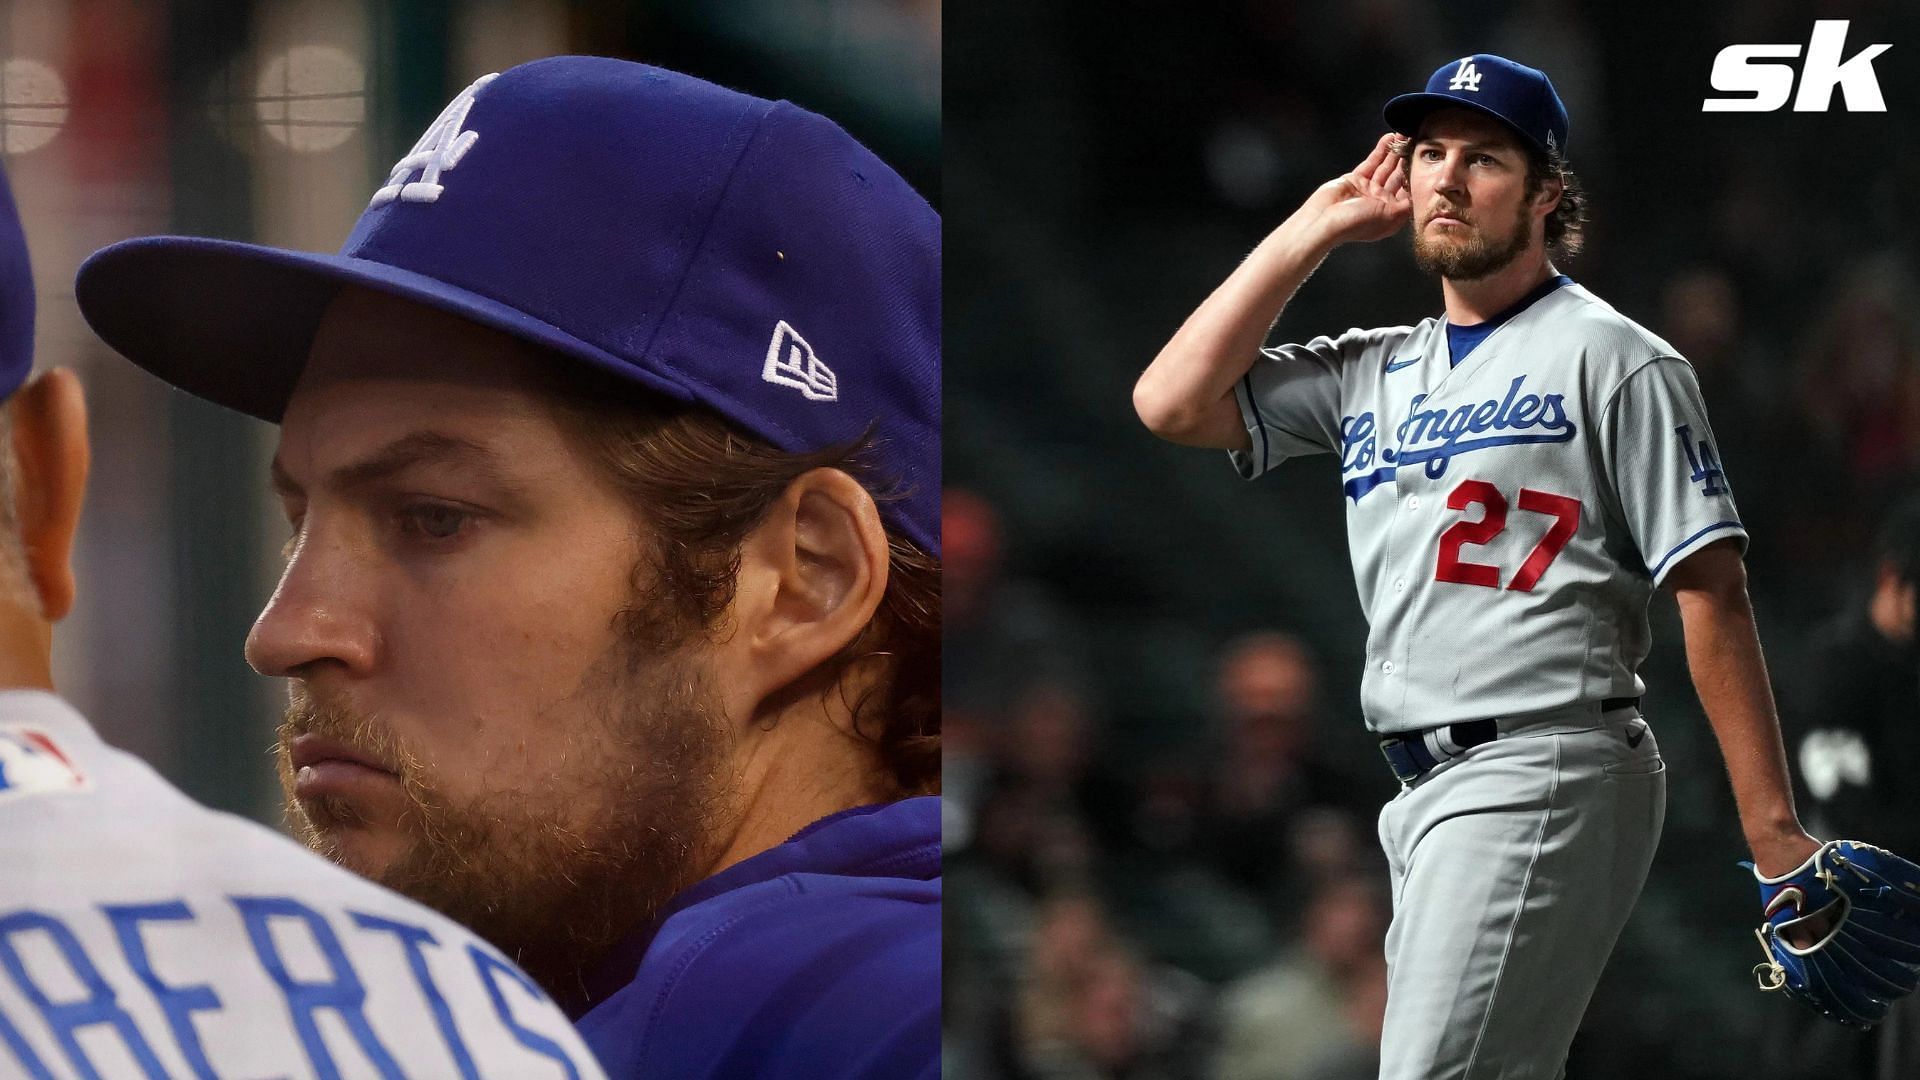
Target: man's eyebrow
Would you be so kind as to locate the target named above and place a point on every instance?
(1477, 144)
(409, 451)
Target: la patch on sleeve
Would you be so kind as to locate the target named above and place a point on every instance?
(31, 763)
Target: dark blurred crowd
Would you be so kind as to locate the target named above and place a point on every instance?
(1161, 792)
(1211, 911)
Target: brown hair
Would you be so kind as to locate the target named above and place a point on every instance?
(1566, 226)
(704, 484)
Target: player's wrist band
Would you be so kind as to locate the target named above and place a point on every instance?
(1415, 753)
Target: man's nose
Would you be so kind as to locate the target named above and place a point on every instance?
(1451, 177)
(318, 614)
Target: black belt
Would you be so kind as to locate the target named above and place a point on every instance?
(1413, 754)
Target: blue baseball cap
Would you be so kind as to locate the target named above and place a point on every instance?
(16, 297)
(1521, 97)
(740, 254)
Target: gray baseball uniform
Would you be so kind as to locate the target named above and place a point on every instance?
(142, 935)
(1509, 519)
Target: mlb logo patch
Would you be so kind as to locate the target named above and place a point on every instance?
(31, 763)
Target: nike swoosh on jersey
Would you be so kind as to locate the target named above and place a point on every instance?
(1396, 365)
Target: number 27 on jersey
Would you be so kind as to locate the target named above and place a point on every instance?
(1564, 511)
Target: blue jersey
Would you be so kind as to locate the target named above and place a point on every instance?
(817, 959)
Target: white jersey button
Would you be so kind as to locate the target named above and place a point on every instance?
(1399, 584)
(1413, 502)
(1386, 666)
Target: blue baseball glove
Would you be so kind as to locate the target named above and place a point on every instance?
(1855, 911)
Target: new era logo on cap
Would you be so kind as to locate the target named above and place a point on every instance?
(792, 362)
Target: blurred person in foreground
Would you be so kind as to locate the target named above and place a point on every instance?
(142, 934)
(1521, 473)
(610, 449)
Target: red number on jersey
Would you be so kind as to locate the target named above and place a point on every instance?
(1566, 520)
(1450, 567)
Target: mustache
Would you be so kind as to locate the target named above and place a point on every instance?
(1447, 209)
(338, 722)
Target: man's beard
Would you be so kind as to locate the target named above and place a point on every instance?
(512, 865)
(1474, 259)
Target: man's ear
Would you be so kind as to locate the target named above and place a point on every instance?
(1548, 197)
(812, 575)
(49, 417)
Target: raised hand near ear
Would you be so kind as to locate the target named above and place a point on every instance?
(1370, 203)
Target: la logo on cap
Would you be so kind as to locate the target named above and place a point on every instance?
(438, 151)
(792, 362)
(1467, 78)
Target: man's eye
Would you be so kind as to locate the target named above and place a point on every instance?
(434, 521)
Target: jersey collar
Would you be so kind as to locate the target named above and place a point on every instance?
(1462, 340)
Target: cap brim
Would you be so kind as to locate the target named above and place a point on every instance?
(1404, 113)
(233, 322)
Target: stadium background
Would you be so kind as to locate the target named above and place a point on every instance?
(1160, 852)
(274, 120)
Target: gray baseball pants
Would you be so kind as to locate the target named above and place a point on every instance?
(1514, 867)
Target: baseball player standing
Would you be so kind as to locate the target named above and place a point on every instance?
(143, 935)
(609, 450)
(1520, 475)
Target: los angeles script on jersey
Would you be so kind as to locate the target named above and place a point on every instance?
(1434, 437)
